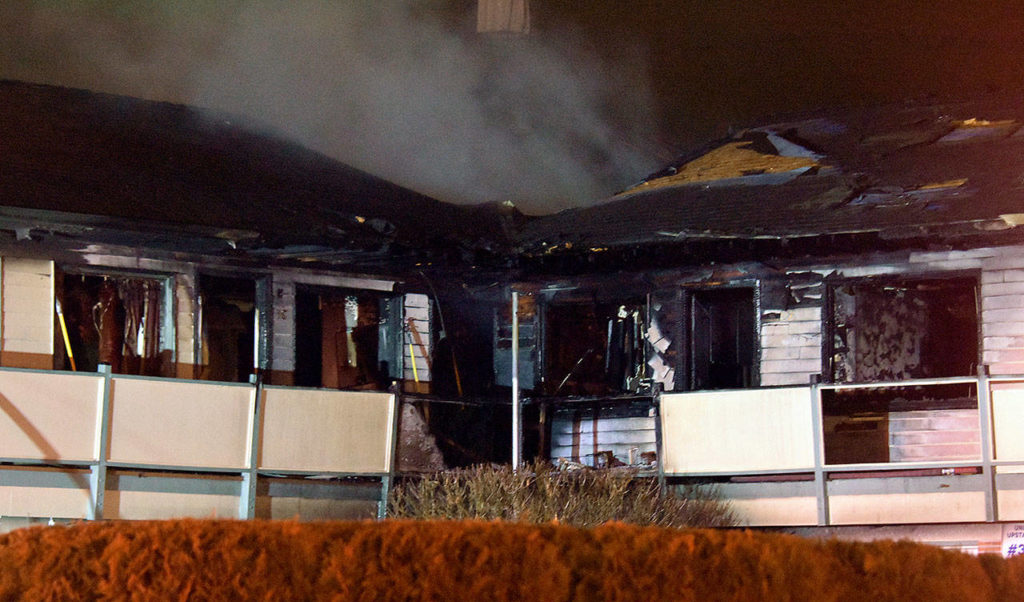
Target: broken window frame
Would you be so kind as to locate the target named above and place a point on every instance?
(686, 360)
(167, 336)
(829, 326)
(552, 385)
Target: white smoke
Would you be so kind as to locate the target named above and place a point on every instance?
(393, 88)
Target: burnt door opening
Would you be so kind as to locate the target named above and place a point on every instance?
(343, 339)
(229, 327)
(722, 338)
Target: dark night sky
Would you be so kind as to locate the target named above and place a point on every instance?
(601, 93)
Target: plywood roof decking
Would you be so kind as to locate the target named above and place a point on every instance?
(739, 159)
(891, 171)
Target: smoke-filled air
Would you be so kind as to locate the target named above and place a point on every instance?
(402, 89)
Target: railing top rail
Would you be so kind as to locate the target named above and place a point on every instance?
(952, 380)
(324, 390)
(47, 371)
(170, 379)
(898, 466)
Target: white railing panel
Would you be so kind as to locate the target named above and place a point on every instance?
(909, 500)
(1007, 418)
(328, 431)
(159, 505)
(737, 431)
(44, 502)
(49, 415)
(180, 423)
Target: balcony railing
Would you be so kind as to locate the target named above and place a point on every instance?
(920, 451)
(96, 445)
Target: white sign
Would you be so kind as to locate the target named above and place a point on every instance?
(1013, 539)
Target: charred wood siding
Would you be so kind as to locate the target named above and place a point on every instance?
(1002, 312)
(28, 318)
(185, 324)
(417, 341)
(790, 346)
(282, 346)
(588, 437)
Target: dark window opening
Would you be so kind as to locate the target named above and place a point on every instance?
(897, 330)
(346, 340)
(594, 349)
(115, 320)
(722, 341)
(228, 326)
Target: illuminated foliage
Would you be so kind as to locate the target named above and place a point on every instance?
(475, 560)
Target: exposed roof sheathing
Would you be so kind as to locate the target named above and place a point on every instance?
(950, 172)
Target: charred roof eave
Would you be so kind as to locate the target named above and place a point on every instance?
(702, 251)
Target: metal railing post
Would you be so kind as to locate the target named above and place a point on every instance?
(396, 424)
(250, 476)
(98, 471)
(517, 455)
(987, 449)
(818, 425)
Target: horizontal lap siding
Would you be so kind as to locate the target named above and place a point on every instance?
(28, 312)
(416, 338)
(790, 346)
(580, 438)
(1002, 311)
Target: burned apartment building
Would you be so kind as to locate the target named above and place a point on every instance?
(170, 277)
(822, 315)
(829, 313)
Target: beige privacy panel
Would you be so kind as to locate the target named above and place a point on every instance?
(737, 431)
(330, 431)
(1007, 418)
(49, 415)
(180, 423)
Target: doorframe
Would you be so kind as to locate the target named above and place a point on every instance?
(686, 299)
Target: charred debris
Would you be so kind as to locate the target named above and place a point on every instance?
(839, 246)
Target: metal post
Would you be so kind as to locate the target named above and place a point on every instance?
(516, 428)
(659, 438)
(396, 425)
(987, 451)
(98, 471)
(818, 424)
(247, 495)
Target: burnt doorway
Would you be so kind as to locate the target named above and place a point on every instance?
(722, 338)
(346, 339)
(229, 328)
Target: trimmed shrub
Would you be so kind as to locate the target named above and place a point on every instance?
(474, 560)
(539, 494)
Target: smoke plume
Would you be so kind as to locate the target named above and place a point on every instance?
(403, 90)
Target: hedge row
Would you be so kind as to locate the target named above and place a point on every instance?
(401, 560)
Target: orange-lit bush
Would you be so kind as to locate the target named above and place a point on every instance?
(398, 560)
